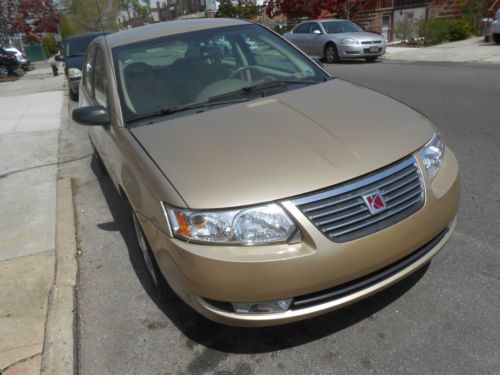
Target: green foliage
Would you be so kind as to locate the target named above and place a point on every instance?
(440, 30)
(98, 15)
(459, 29)
(245, 9)
(474, 11)
(226, 9)
(67, 27)
(49, 44)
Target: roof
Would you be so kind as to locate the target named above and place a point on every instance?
(86, 35)
(157, 30)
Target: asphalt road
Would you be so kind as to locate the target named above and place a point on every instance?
(443, 319)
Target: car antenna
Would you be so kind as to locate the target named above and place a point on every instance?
(101, 23)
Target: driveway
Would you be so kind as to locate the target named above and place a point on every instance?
(470, 50)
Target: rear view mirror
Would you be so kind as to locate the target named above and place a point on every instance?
(59, 58)
(316, 32)
(91, 115)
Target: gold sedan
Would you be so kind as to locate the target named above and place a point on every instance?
(262, 190)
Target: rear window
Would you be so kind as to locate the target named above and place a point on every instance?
(78, 47)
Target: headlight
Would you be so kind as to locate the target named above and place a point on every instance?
(74, 73)
(247, 226)
(432, 155)
(349, 41)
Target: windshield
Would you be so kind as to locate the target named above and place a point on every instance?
(78, 47)
(190, 69)
(336, 27)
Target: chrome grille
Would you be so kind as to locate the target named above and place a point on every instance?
(342, 214)
(372, 42)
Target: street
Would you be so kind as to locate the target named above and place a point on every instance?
(442, 319)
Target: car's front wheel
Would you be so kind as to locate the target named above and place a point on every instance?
(331, 54)
(496, 38)
(73, 95)
(154, 272)
(4, 71)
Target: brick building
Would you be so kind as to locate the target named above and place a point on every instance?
(383, 15)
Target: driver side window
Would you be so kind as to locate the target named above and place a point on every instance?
(314, 27)
(302, 29)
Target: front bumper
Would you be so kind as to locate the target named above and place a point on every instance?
(200, 274)
(361, 51)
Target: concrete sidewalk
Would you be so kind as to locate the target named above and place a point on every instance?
(471, 50)
(30, 112)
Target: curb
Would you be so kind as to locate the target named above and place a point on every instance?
(59, 351)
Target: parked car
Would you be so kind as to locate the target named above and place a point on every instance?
(75, 49)
(8, 62)
(336, 39)
(262, 190)
(21, 57)
(495, 28)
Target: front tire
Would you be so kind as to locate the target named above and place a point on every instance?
(73, 96)
(4, 71)
(496, 38)
(155, 275)
(331, 54)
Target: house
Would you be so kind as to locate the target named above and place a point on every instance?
(384, 15)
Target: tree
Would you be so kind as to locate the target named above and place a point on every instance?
(100, 16)
(135, 10)
(28, 17)
(303, 8)
(245, 9)
(474, 11)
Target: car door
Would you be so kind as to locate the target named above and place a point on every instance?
(300, 34)
(313, 41)
(103, 137)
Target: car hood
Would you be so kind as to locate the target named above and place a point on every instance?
(283, 145)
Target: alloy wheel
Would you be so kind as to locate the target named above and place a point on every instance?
(330, 54)
(4, 72)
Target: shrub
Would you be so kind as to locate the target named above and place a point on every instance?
(440, 30)
(459, 29)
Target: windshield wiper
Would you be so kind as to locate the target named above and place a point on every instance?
(260, 87)
(169, 111)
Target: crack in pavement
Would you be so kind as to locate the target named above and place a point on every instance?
(43, 166)
(19, 362)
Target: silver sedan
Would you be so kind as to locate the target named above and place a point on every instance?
(336, 40)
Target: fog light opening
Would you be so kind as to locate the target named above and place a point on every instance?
(268, 307)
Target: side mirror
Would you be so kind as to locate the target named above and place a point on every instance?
(316, 32)
(91, 115)
(59, 58)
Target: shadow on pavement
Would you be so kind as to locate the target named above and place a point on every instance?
(240, 340)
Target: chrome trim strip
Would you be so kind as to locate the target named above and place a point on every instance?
(405, 190)
(354, 185)
(343, 216)
(376, 219)
(399, 185)
(334, 211)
